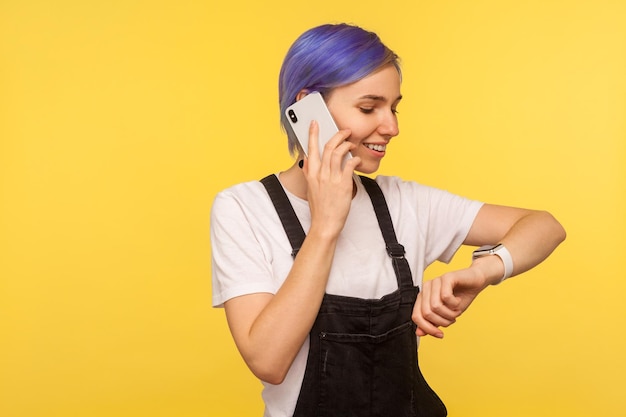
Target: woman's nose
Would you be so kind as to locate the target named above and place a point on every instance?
(389, 125)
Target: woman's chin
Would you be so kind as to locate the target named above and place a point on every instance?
(365, 168)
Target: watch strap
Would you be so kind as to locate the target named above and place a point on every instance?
(500, 251)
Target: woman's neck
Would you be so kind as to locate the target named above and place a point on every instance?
(294, 181)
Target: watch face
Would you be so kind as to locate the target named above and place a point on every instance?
(485, 250)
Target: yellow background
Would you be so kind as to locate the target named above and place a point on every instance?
(120, 121)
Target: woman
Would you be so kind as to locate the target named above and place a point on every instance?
(320, 270)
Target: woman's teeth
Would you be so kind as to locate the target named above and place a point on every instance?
(379, 148)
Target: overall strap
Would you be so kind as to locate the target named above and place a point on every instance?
(285, 211)
(394, 249)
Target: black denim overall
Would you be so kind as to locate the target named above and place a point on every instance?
(363, 352)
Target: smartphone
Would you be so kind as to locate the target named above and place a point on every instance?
(302, 112)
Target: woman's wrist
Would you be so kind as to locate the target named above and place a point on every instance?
(501, 252)
(490, 268)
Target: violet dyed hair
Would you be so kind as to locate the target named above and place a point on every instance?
(326, 57)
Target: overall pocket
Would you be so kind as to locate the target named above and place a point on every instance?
(365, 375)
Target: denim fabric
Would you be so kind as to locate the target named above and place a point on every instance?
(363, 361)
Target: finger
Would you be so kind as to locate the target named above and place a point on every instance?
(338, 138)
(335, 149)
(432, 305)
(351, 165)
(442, 315)
(427, 329)
(339, 159)
(451, 301)
(313, 151)
(424, 326)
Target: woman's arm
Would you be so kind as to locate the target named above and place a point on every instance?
(269, 330)
(529, 235)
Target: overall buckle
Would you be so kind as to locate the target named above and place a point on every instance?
(396, 250)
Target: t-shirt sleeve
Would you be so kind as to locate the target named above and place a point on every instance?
(451, 217)
(239, 265)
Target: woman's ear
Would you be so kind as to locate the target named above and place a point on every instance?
(303, 93)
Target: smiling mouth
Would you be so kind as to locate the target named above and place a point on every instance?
(374, 147)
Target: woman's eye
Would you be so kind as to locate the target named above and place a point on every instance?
(366, 110)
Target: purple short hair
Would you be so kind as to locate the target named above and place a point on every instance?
(326, 57)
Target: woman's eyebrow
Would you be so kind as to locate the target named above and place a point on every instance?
(378, 98)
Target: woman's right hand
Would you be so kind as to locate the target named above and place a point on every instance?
(330, 185)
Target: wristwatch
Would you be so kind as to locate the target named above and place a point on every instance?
(500, 251)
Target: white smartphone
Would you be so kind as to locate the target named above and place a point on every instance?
(302, 112)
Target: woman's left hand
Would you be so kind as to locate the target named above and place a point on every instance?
(443, 299)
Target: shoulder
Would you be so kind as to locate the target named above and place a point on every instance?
(243, 191)
(424, 198)
(395, 187)
(244, 195)
(243, 205)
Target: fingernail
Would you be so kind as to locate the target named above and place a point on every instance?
(301, 163)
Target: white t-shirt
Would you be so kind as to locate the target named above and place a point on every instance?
(251, 252)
